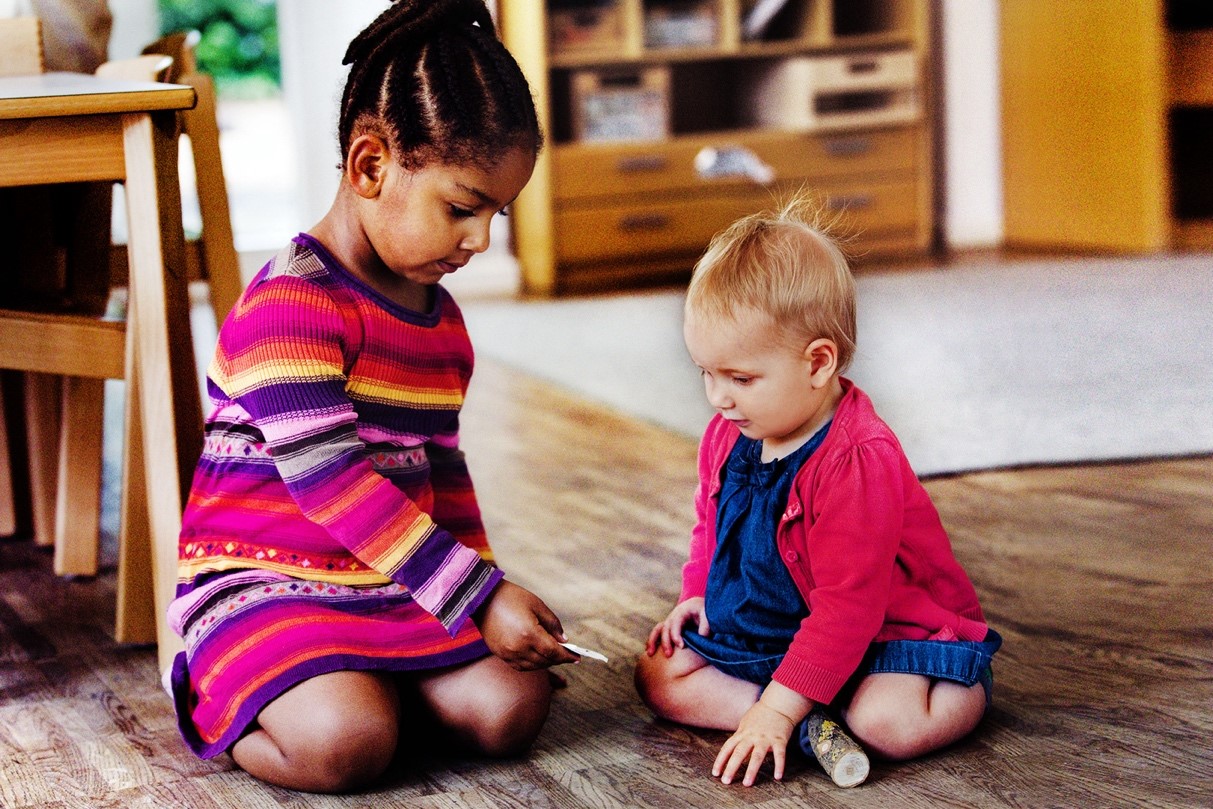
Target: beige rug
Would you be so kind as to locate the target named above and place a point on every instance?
(974, 366)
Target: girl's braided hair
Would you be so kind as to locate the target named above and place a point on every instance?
(432, 78)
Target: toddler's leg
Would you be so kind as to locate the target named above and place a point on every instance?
(900, 716)
(487, 706)
(333, 733)
(685, 688)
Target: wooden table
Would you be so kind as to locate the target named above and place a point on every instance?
(66, 127)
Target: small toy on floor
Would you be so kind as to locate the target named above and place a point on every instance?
(838, 754)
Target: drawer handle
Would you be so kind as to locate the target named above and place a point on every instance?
(849, 202)
(847, 147)
(644, 221)
(639, 163)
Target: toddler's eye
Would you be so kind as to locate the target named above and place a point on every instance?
(743, 380)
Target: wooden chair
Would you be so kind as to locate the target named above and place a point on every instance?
(20, 46)
(63, 425)
(211, 257)
(66, 367)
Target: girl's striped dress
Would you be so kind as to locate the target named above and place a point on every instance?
(332, 523)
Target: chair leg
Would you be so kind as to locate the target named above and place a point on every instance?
(78, 497)
(135, 619)
(43, 400)
(218, 248)
(8, 491)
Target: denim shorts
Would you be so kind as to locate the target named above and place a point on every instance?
(958, 661)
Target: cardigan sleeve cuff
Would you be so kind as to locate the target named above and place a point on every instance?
(809, 680)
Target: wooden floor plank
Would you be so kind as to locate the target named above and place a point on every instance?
(1100, 578)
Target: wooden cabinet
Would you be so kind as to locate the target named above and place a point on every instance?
(668, 119)
(1108, 124)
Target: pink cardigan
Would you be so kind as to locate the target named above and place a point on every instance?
(863, 543)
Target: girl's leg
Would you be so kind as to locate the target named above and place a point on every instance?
(900, 716)
(487, 706)
(684, 688)
(332, 733)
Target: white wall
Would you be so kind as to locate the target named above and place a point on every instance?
(314, 35)
(136, 23)
(972, 140)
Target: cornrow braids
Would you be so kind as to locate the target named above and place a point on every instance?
(432, 77)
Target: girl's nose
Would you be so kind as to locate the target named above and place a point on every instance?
(477, 238)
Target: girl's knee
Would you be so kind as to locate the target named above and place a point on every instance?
(344, 753)
(510, 719)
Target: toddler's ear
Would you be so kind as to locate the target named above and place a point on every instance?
(822, 356)
(364, 165)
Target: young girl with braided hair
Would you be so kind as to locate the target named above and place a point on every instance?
(335, 581)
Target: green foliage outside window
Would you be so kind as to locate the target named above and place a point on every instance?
(239, 45)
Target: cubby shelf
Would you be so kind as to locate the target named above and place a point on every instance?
(667, 119)
(1107, 124)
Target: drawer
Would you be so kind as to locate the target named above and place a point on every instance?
(597, 232)
(588, 233)
(584, 171)
(856, 209)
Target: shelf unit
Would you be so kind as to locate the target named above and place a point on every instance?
(668, 119)
(1107, 124)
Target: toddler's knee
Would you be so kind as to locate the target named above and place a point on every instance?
(885, 735)
(653, 686)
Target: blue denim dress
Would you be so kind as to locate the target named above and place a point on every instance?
(753, 607)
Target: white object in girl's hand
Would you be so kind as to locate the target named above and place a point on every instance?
(590, 653)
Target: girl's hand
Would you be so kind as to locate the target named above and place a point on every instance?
(762, 730)
(668, 633)
(520, 629)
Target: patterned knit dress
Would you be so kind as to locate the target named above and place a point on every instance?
(331, 524)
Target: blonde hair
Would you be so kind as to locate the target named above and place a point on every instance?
(782, 264)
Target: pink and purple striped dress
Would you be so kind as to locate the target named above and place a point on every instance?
(332, 524)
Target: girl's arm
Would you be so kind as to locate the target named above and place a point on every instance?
(281, 358)
(455, 506)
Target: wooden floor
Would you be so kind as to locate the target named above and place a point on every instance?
(1099, 578)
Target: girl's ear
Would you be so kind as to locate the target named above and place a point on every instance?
(368, 157)
(822, 356)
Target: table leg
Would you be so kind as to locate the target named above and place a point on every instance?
(163, 359)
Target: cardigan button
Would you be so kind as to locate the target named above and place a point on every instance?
(792, 556)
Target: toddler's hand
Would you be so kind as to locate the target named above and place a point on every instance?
(762, 730)
(520, 629)
(668, 633)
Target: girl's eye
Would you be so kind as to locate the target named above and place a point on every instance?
(461, 213)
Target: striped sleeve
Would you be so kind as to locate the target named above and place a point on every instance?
(281, 357)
